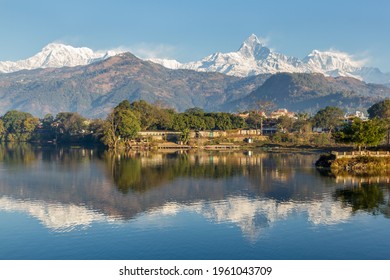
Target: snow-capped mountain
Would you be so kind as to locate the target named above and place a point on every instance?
(56, 55)
(254, 57)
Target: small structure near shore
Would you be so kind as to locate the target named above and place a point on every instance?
(173, 146)
(355, 154)
(222, 146)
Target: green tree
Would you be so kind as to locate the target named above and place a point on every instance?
(263, 108)
(285, 123)
(19, 126)
(110, 136)
(121, 126)
(328, 118)
(381, 110)
(222, 121)
(2, 130)
(254, 120)
(70, 124)
(185, 135)
(147, 113)
(195, 111)
(96, 128)
(128, 124)
(362, 133)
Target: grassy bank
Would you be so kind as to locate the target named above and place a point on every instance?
(360, 165)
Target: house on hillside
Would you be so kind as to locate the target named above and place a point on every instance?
(349, 117)
(281, 113)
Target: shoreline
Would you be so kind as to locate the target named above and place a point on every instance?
(359, 164)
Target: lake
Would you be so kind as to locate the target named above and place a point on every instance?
(76, 203)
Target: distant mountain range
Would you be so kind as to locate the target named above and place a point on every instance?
(252, 58)
(55, 56)
(95, 88)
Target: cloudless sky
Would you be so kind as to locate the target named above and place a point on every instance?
(190, 30)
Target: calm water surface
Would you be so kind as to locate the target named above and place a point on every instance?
(87, 204)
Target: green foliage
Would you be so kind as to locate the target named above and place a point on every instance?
(185, 135)
(223, 121)
(18, 126)
(285, 123)
(368, 197)
(2, 130)
(380, 110)
(146, 113)
(69, 126)
(195, 111)
(121, 126)
(128, 124)
(362, 133)
(329, 118)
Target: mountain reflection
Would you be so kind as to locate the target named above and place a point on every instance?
(69, 189)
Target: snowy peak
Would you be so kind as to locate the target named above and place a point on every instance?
(253, 48)
(56, 55)
(254, 57)
(331, 60)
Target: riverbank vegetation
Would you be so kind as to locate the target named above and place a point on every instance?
(121, 128)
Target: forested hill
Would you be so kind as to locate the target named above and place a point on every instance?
(310, 92)
(93, 90)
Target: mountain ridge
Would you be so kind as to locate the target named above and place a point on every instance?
(252, 58)
(94, 89)
(56, 55)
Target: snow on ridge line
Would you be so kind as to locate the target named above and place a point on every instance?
(252, 58)
(56, 55)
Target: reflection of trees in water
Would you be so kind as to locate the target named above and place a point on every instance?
(366, 197)
(144, 172)
(273, 175)
(17, 153)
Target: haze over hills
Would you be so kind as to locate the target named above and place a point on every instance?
(302, 92)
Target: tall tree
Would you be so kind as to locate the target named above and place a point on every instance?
(121, 126)
(362, 133)
(19, 126)
(263, 108)
(381, 110)
(329, 118)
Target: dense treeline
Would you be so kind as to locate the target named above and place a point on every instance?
(122, 125)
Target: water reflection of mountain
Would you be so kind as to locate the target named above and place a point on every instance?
(75, 187)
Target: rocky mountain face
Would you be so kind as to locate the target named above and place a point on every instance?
(311, 92)
(94, 89)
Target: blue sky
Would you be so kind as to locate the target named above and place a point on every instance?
(191, 30)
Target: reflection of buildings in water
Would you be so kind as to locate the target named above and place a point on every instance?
(356, 181)
(240, 159)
